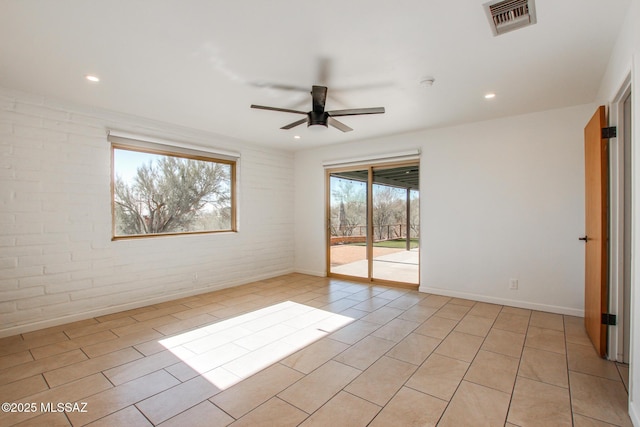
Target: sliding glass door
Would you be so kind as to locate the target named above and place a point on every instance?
(348, 223)
(373, 223)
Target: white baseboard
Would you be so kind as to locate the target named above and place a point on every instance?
(633, 415)
(61, 320)
(505, 301)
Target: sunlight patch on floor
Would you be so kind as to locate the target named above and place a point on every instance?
(229, 351)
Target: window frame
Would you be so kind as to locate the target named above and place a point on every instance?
(185, 152)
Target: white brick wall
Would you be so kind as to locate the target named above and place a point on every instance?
(57, 260)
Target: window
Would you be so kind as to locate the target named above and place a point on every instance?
(160, 190)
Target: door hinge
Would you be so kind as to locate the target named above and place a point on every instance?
(609, 319)
(610, 132)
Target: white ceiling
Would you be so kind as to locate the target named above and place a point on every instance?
(202, 63)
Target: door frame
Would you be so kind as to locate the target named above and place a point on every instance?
(369, 166)
(616, 336)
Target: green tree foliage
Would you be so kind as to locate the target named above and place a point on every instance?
(172, 195)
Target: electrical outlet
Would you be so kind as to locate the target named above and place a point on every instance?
(513, 284)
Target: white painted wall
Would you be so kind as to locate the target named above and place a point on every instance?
(57, 260)
(625, 61)
(500, 199)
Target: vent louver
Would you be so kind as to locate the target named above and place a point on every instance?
(509, 15)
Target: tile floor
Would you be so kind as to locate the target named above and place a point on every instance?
(302, 350)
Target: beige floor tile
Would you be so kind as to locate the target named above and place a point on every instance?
(582, 421)
(175, 400)
(21, 388)
(462, 301)
(254, 391)
(512, 322)
(14, 359)
(204, 308)
(418, 313)
(41, 333)
(493, 370)
(407, 300)
(476, 405)
(91, 366)
(117, 398)
(36, 367)
(49, 419)
(547, 321)
(544, 366)
(575, 332)
(314, 355)
(186, 324)
(259, 359)
(545, 339)
(599, 398)
(76, 391)
(382, 315)
(362, 354)
(32, 341)
(396, 330)
(482, 309)
(141, 327)
(122, 342)
(438, 376)
(315, 389)
(436, 301)
(474, 325)
(539, 404)
(516, 310)
(460, 346)
(79, 342)
(585, 360)
(452, 311)
(182, 371)
(99, 327)
(344, 410)
(150, 347)
(354, 332)
(129, 416)
(504, 342)
(415, 348)
(140, 367)
(160, 312)
(410, 408)
(274, 412)
(400, 366)
(372, 304)
(436, 327)
(381, 380)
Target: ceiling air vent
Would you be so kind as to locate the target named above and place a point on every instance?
(509, 15)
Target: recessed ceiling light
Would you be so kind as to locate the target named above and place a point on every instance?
(92, 78)
(296, 137)
(490, 96)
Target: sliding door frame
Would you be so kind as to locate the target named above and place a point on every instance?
(369, 229)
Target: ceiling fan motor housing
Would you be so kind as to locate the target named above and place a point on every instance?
(317, 118)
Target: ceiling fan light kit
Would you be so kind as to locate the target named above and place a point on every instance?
(318, 116)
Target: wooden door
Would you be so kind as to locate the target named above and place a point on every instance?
(596, 254)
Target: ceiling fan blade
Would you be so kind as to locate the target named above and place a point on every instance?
(319, 97)
(294, 124)
(356, 111)
(278, 86)
(284, 110)
(338, 125)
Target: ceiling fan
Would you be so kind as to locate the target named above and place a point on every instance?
(318, 116)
